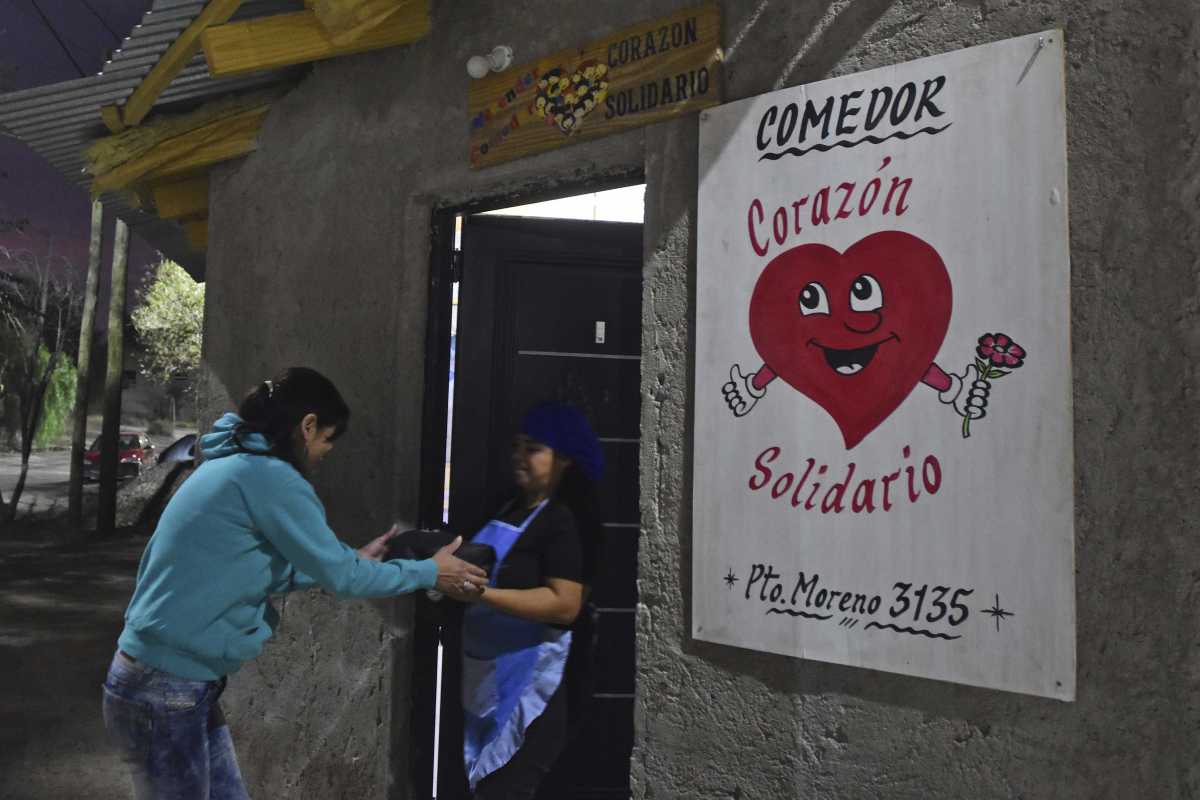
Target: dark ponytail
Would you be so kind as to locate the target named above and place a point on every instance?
(276, 407)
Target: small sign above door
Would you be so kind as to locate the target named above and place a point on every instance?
(646, 73)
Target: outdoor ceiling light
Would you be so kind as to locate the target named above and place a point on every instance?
(498, 60)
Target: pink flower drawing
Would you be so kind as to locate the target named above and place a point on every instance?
(1000, 350)
(996, 356)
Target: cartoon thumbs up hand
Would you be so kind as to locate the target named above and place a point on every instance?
(968, 393)
(740, 394)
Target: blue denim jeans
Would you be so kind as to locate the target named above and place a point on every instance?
(171, 734)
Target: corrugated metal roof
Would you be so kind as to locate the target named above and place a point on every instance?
(59, 120)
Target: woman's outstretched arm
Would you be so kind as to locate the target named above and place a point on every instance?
(556, 603)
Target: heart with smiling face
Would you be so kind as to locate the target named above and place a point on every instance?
(853, 331)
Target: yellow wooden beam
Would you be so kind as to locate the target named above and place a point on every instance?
(182, 199)
(106, 154)
(237, 144)
(111, 115)
(139, 197)
(188, 153)
(172, 62)
(285, 39)
(346, 20)
(197, 234)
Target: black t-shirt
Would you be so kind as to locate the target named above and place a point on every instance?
(551, 547)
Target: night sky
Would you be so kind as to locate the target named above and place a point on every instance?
(58, 211)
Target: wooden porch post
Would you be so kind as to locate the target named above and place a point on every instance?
(107, 517)
(86, 326)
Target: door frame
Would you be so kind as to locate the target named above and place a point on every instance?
(438, 310)
(435, 407)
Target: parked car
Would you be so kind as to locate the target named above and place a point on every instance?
(134, 450)
(182, 449)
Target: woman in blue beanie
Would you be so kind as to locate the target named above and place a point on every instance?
(245, 525)
(518, 635)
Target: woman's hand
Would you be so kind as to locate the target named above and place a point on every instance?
(457, 578)
(377, 548)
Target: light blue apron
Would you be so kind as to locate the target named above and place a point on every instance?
(511, 668)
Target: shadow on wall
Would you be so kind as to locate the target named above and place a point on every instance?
(836, 27)
(213, 399)
(833, 35)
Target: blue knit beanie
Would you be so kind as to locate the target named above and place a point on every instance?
(567, 431)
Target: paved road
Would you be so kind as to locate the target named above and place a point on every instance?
(46, 483)
(49, 475)
(60, 613)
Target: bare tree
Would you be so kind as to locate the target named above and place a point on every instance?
(39, 315)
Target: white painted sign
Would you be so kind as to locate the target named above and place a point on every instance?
(883, 447)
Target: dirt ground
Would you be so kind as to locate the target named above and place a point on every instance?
(61, 607)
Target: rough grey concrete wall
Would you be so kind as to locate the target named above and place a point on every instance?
(781, 728)
(312, 717)
(320, 255)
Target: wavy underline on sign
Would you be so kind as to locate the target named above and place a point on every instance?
(914, 631)
(792, 613)
(824, 148)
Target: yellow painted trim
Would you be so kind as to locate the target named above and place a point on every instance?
(346, 20)
(139, 197)
(191, 152)
(286, 39)
(106, 154)
(172, 62)
(182, 199)
(111, 115)
(197, 234)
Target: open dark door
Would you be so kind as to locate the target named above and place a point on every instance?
(548, 310)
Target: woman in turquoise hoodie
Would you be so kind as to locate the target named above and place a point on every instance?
(245, 525)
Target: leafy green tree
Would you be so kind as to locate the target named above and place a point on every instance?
(170, 326)
(59, 400)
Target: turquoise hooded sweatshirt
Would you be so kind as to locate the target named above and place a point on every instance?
(240, 528)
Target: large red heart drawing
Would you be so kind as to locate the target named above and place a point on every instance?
(854, 331)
